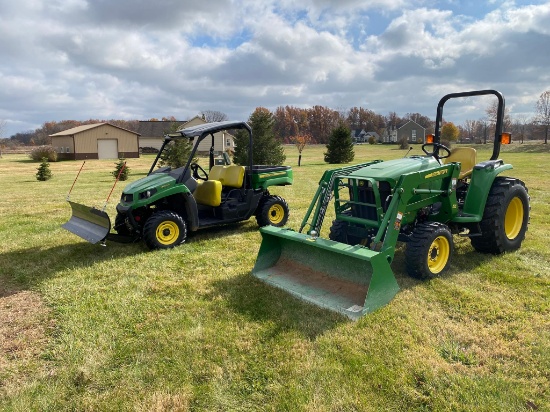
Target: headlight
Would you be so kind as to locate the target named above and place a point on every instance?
(147, 194)
(127, 198)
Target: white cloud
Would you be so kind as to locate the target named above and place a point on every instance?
(140, 59)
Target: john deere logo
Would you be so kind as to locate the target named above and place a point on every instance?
(435, 174)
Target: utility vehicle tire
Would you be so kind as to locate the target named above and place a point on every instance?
(272, 211)
(505, 217)
(120, 225)
(429, 250)
(164, 230)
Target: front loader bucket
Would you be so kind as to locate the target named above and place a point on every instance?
(351, 280)
(89, 223)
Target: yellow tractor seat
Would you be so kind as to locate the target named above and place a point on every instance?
(466, 156)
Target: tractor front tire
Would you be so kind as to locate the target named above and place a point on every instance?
(339, 231)
(429, 250)
(505, 217)
(272, 211)
(164, 230)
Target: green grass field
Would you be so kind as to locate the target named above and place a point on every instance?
(88, 328)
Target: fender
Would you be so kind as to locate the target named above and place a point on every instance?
(483, 176)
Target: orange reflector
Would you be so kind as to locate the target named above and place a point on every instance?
(506, 138)
(430, 138)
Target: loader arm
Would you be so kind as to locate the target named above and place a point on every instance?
(323, 196)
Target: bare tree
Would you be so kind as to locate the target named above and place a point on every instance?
(519, 126)
(542, 116)
(469, 128)
(3, 125)
(213, 116)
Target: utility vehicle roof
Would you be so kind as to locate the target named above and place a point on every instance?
(208, 128)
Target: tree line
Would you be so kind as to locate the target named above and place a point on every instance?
(318, 122)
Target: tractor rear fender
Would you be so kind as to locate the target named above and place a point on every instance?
(483, 176)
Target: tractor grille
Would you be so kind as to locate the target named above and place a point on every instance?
(365, 207)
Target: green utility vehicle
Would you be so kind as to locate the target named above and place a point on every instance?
(419, 200)
(163, 206)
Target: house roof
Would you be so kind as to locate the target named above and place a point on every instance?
(361, 132)
(156, 128)
(80, 129)
(411, 121)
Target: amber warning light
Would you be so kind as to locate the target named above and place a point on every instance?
(506, 138)
(430, 138)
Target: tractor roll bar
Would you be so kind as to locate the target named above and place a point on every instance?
(499, 121)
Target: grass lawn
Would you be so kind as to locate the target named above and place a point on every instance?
(85, 327)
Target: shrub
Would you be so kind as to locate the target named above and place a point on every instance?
(40, 152)
(372, 140)
(404, 143)
(44, 173)
(121, 169)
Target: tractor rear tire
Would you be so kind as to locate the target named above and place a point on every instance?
(505, 218)
(164, 230)
(273, 210)
(429, 250)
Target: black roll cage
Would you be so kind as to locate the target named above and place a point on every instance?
(202, 131)
(500, 116)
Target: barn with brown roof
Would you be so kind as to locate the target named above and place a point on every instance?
(96, 141)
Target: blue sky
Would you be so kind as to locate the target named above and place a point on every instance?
(137, 59)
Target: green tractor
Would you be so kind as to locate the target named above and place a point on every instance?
(421, 201)
(163, 206)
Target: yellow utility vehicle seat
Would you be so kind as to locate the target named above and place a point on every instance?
(233, 176)
(467, 157)
(216, 173)
(210, 192)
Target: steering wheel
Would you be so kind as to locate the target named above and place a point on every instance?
(436, 148)
(195, 168)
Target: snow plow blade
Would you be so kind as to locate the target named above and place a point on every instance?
(89, 223)
(351, 280)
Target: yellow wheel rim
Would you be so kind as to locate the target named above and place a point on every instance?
(276, 214)
(438, 254)
(167, 232)
(514, 218)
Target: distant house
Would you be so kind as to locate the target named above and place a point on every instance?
(152, 132)
(360, 136)
(152, 135)
(410, 130)
(96, 141)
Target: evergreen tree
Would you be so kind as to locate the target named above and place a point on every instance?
(176, 153)
(44, 173)
(267, 150)
(340, 146)
(122, 169)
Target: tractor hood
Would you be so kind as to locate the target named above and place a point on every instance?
(392, 170)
